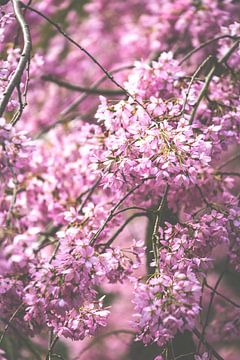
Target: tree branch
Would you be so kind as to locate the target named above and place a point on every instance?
(112, 211)
(9, 322)
(91, 90)
(62, 117)
(222, 296)
(213, 293)
(15, 80)
(209, 77)
(85, 51)
(159, 221)
(102, 336)
(206, 43)
(228, 161)
(208, 346)
(233, 173)
(122, 227)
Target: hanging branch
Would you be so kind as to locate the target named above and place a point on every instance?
(25, 56)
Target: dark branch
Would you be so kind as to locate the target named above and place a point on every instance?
(78, 101)
(112, 211)
(222, 296)
(122, 227)
(91, 90)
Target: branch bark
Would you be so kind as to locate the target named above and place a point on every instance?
(15, 80)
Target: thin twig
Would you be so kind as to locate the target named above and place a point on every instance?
(58, 356)
(206, 43)
(51, 346)
(172, 350)
(199, 69)
(62, 121)
(19, 112)
(85, 51)
(184, 355)
(209, 78)
(89, 194)
(73, 87)
(30, 346)
(79, 100)
(54, 253)
(102, 336)
(14, 195)
(220, 173)
(159, 220)
(44, 244)
(208, 346)
(22, 97)
(46, 236)
(132, 208)
(122, 227)
(112, 211)
(228, 161)
(192, 79)
(210, 305)
(9, 322)
(222, 296)
(25, 56)
(206, 202)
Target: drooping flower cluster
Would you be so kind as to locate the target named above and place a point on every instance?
(166, 304)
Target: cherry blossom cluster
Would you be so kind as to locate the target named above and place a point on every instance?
(158, 151)
(167, 303)
(15, 149)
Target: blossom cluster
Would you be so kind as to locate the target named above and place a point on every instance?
(158, 150)
(167, 303)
